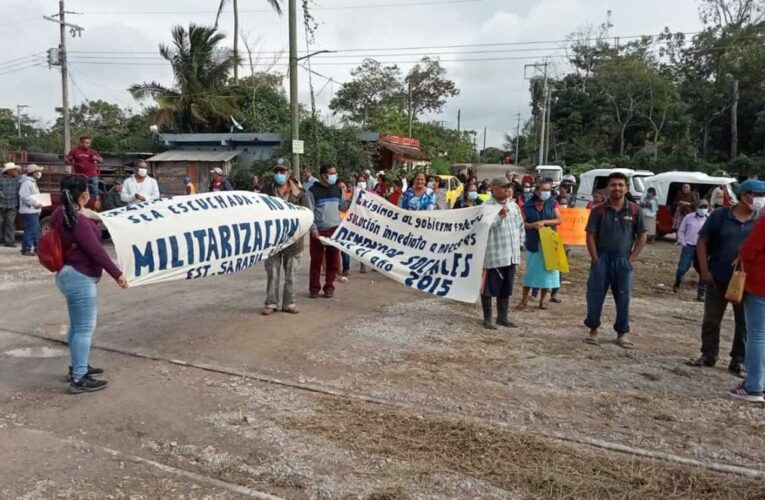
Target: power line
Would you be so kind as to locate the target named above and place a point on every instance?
(36, 65)
(318, 7)
(3, 63)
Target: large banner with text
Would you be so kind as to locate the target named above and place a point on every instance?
(438, 252)
(208, 234)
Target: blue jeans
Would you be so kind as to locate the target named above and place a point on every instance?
(614, 272)
(687, 256)
(754, 308)
(346, 262)
(81, 293)
(93, 186)
(31, 232)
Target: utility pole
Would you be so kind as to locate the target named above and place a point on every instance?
(517, 139)
(409, 109)
(294, 111)
(459, 119)
(74, 30)
(542, 132)
(734, 121)
(484, 144)
(548, 108)
(19, 107)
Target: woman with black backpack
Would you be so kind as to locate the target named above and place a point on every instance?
(84, 260)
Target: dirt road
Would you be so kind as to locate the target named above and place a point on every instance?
(378, 393)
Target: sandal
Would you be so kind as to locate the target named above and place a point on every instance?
(624, 343)
(592, 340)
(555, 300)
(523, 306)
(543, 306)
(268, 311)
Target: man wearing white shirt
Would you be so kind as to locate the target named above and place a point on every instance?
(140, 187)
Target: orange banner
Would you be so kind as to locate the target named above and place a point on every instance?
(573, 230)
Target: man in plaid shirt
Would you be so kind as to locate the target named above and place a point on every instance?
(9, 203)
(503, 254)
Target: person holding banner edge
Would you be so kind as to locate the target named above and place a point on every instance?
(616, 235)
(541, 211)
(325, 199)
(503, 254)
(85, 259)
(287, 189)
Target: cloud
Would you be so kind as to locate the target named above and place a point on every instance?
(493, 92)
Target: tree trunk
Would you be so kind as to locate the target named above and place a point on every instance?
(621, 139)
(705, 140)
(734, 122)
(236, 40)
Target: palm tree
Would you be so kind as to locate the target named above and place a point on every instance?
(201, 69)
(273, 3)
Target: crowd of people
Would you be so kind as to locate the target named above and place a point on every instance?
(715, 238)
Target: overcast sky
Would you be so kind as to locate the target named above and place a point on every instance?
(125, 34)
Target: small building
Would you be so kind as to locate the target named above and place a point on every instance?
(170, 167)
(250, 147)
(401, 152)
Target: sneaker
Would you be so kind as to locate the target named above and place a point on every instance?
(741, 393)
(702, 361)
(328, 294)
(86, 384)
(292, 309)
(313, 295)
(91, 371)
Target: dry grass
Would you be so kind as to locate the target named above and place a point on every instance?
(531, 465)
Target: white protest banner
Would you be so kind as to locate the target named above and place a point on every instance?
(207, 234)
(438, 252)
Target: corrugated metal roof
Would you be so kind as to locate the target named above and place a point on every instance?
(405, 151)
(207, 156)
(218, 138)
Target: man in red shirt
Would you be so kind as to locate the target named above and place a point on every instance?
(85, 161)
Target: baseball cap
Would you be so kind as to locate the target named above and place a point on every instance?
(281, 166)
(217, 170)
(753, 186)
(500, 181)
(704, 203)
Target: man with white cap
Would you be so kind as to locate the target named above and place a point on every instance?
(140, 187)
(9, 202)
(30, 208)
(218, 182)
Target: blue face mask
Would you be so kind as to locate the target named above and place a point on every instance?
(280, 179)
(473, 195)
(332, 179)
(545, 195)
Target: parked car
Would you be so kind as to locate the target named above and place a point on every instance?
(668, 184)
(597, 180)
(553, 172)
(452, 187)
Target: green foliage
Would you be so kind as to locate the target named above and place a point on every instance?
(201, 69)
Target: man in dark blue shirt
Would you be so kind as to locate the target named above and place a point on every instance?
(720, 240)
(616, 235)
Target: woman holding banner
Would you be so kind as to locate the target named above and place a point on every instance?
(541, 211)
(84, 262)
(419, 197)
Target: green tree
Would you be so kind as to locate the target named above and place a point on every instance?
(372, 85)
(273, 3)
(197, 102)
(427, 88)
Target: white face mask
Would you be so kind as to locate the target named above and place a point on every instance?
(361, 185)
(142, 172)
(37, 175)
(758, 204)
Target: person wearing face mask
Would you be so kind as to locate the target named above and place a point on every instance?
(281, 268)
(687, 237)
(469, 198)
(541, 211)
(140, 187)
(325, 198)
(361, 182)
(718, 247)
(528, 193)
(30, 208)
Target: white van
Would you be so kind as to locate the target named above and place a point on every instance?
(597, 180)
(553, 172)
